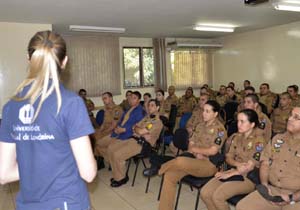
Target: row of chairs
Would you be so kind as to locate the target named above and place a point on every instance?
(180, 141)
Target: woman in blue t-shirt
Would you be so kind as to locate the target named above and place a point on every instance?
(44, 132)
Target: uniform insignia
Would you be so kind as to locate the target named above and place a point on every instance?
(211, 131)
(221, 134)
(270, 161)
(262, 125)
(279, 141)
(149, 126)
(256, 156)
(249, 145)
(259, 147)
(277, 146)
(218, 141)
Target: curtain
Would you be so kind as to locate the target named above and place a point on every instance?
(191, 68)
(94, 64)
(159, 46)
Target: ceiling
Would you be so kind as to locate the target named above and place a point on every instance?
(146, 18)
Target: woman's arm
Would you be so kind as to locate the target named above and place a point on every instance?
(84, 157)
(9, 171)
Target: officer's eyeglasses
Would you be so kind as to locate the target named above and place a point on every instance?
(294, 116)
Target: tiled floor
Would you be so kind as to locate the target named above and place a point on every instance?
(103, 197)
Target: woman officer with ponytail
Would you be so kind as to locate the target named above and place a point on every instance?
(44, 139)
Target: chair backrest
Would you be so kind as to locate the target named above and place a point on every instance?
(184, 119)
(181, 139)
(264, 108)
(230, 108)
(172, 118)
(164, 120)
(100, 117)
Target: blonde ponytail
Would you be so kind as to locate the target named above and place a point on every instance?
(46, 53)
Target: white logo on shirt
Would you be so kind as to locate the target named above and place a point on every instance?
(26, 114)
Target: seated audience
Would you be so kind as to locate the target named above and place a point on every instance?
(232, 96)
(123, 129)
(221, 97)
(160, 97)
(187, 102)
(146, 97)
(204, 145)
(293, 91)
(265, 126)
(267, 97)
(279, 172)
(112, 114)
(172, 98)
(243, 158)
(145, 134)
(125, 104)
(281, 114)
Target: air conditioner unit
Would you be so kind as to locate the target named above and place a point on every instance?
(193, 45)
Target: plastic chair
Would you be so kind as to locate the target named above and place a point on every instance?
(181, 142)
(140, 157)
(100, 117)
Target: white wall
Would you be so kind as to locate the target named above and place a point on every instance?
(270, 55)
(14, 38)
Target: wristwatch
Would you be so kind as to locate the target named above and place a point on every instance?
(291, 199)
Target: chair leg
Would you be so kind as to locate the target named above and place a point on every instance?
(197, 199)
(178, 195)
(143, 161)
(147, 186)
(191, 188)
(135, 172)
(160, 187)
(128, 166)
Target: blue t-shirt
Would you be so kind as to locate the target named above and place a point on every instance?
(49, 176)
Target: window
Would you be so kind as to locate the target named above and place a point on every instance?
(138, 64)
(190, 68)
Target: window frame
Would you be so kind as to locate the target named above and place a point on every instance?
(141, 67)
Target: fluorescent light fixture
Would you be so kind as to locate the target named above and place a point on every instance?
(287, 5)
(96, 29)
(213, 28)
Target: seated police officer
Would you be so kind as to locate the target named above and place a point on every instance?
(244, 158)
(145, 134)
(279, 172)
(202, 157)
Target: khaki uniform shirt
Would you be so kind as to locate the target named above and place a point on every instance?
(268, 100)
(279, 119)
(221, 100)
(195, 119)
(186, 105)
(169, 101)
(111, 117)
(125, 105)
(296, 102)
(265, 127)
(153, 125)
(209, 135)
(165, 108)
(283, 155)
(243, 149)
